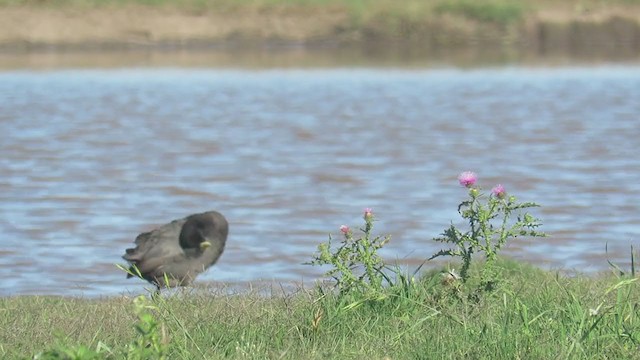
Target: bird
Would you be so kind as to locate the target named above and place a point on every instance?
(174, 254)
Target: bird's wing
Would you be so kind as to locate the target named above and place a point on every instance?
(156, 246)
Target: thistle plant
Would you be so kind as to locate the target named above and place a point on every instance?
(356, 265)
(491, 225)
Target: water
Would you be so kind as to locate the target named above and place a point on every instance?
(90, 158)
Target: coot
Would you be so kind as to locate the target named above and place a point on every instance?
(175, 253)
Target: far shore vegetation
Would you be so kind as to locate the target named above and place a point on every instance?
(430, 22)
(362, 11)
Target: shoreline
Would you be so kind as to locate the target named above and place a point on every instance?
(33, 28)
(440, 317)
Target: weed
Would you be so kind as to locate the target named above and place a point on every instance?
(151, 342)
(356, 264)
(489, 227)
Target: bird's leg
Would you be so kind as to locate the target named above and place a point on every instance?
(156, 294)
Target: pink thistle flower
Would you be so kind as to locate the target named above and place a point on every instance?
(467, 178)
(368, 213)
(345, 229)
(499, 191)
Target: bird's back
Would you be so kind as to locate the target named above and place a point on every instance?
(159, 256)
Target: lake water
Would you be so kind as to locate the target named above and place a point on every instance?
(92, 157)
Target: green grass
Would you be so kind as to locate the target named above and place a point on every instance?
(397, 14)
(533, 314)
(425, 22)
(360, 11)
(498, 11)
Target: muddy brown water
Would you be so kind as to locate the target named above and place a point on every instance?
(92, 156)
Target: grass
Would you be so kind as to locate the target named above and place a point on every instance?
(359, 10)
(424, 22)
(534, 314)
(484, 11)
(499, 11)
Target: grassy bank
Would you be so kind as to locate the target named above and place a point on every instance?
(431, 23)
(534, 314)
(499, 11)
(489, 309)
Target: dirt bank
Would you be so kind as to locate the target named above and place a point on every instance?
(150, 26)
(37, 27)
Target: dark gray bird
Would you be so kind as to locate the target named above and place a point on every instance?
(175, 253)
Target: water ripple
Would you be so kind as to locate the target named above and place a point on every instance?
(91, 158)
